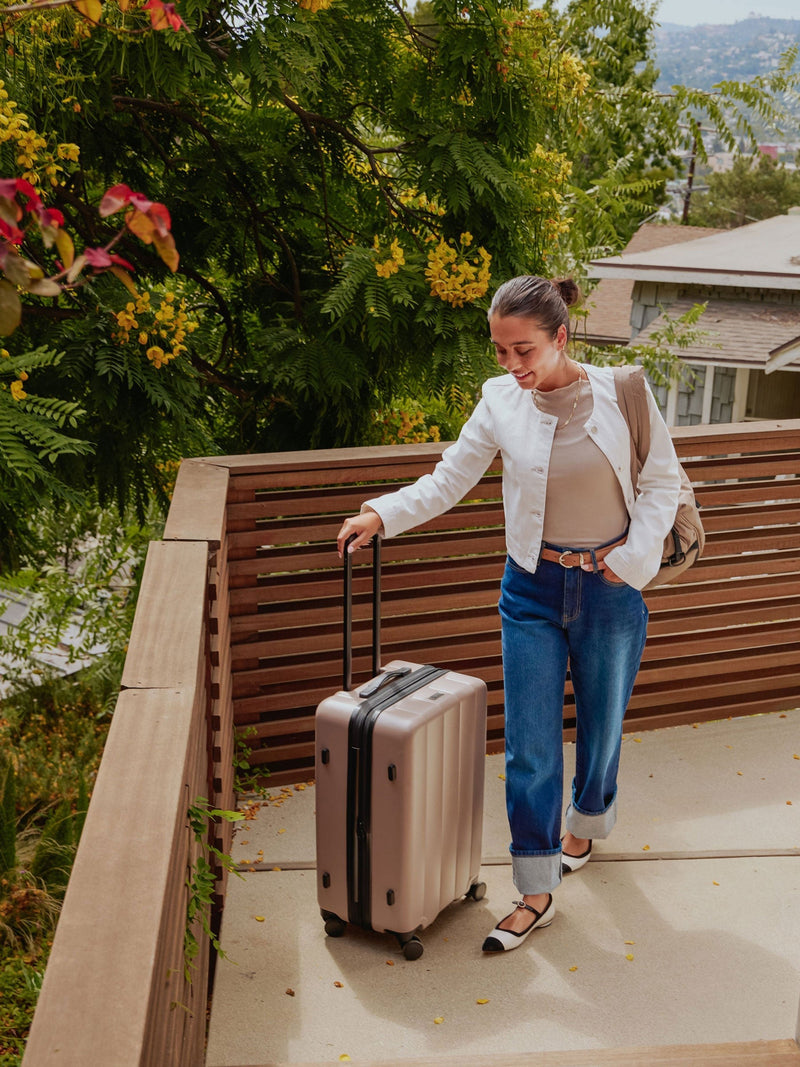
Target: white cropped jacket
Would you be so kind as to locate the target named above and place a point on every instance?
(507, 419)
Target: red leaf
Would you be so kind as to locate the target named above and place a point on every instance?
(163, 15)
(122, 262)
(160, 216)
(11, 233)
(115, 199)
(49, 216)
(97, 258)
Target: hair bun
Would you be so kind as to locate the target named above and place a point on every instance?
(569, 290)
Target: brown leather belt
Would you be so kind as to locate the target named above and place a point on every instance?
(572, 558)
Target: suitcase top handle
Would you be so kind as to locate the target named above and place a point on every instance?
(347, 664)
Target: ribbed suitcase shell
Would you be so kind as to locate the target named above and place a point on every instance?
(423, 841)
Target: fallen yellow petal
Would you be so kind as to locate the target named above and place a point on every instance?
(482, 1000)
(715, 883)
(795, 755)
(260, 918)
(630, 942)
(629, 956)
(789, 803)
(439, 1019)
(502, 777)
(573, 968)
(645, 848)
(390, 963)
(638, 740)
(740, 773)
(344, 1058)
(277, 868)
(282, 831)
(339, 985)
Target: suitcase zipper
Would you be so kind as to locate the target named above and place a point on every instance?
(359, 787)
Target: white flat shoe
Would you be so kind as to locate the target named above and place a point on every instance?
(505, 940)
(570, 864)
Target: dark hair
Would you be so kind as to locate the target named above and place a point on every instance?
(529, 296)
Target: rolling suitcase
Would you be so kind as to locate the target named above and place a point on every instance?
(400, 768)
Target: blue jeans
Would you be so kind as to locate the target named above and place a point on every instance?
(550, 618)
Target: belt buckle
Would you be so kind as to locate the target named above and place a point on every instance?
(569, 566)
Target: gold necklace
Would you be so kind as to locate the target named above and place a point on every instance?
(574, 402)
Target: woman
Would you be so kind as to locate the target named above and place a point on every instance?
(582, 541)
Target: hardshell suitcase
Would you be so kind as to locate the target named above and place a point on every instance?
(400, 768)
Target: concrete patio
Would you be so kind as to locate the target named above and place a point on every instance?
(684, 930)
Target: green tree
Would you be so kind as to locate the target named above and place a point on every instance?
(624, 143)
(754, 188)
(628, 143)
(346, 182)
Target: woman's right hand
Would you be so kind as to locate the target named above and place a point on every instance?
(364, 526)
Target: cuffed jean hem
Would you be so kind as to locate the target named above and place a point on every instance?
(536, 874)
(595, 827)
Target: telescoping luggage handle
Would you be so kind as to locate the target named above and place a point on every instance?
(347, 677)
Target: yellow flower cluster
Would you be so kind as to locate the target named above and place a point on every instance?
(33, 157)
(163, 329)
(574, 73)
(530, 51)
(456, 278)
(549, 173)
(395, 261)
(314, 5)
(404, 427)
(17, 387)
(419, 201)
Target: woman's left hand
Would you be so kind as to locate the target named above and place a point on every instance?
(607, 573)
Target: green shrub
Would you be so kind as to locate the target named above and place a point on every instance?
(20, 982)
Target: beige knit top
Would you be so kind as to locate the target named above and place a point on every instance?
(584, 505)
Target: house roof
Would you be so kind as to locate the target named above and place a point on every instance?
(763, 254)
(739, 334)
(609, 304)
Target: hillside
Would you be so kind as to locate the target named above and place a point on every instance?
(700, 56)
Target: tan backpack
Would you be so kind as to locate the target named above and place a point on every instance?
(684, 543)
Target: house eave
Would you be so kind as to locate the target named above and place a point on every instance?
(781, 357)
(695, 276)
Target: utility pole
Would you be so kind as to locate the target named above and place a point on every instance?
(687, 196)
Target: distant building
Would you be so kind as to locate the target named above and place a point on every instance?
(747, 366)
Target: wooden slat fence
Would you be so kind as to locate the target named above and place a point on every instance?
(724, 641)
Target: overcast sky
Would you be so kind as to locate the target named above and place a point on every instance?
(696, 12)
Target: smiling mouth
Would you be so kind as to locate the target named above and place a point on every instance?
(522, 375)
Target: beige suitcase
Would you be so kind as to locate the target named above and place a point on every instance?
(399, 770)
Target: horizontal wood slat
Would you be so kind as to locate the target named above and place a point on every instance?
(779, 1053)
(724, 636)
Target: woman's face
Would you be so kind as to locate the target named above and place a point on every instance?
(528, 352)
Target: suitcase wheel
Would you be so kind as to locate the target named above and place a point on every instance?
(334, 926)
(412, 947)
(477, 891)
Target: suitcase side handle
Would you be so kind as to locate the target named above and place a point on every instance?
(347, 664)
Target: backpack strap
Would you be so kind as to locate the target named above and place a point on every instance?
(629, 382)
